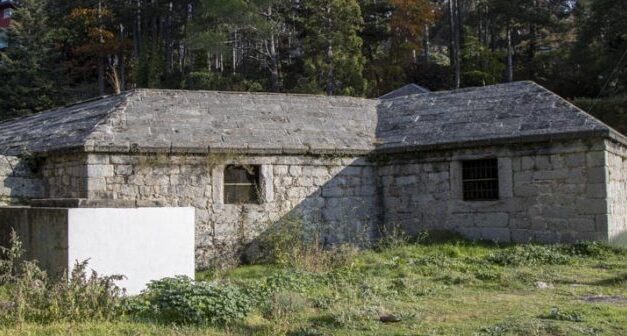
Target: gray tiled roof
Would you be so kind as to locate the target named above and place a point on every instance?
(203, 121)
(200, 121)
(66, 127)
(512, 112)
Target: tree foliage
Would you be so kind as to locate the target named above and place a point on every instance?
(27, 78)
(72, 50)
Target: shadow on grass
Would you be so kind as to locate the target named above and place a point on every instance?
(620, 279)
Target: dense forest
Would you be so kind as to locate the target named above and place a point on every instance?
(64, 51)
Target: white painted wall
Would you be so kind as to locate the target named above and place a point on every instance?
(142, 244)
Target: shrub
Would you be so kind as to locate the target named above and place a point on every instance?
(591, 249)
(393, 237)
(559, 315)
(487, 274)
(36, 298)
(183, 300)
(294, 243)
(529, 255)
(283, 304)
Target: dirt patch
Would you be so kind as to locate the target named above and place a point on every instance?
(616, 299)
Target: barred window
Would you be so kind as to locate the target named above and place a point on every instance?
(241, 184)
(480, 180)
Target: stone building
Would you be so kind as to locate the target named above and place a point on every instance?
(509, 162)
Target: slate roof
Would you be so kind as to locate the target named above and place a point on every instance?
(406, 90)
(199, 121)
(503, 113)
(204, 121)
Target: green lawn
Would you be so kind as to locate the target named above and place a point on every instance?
(454, 288)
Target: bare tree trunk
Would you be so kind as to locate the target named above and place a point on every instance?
(101, 76)
(121, 59)
(426, 44)
(331, 74)
(454, 52)
(531, 52)
(184, 54)
(274, 66)
(234, 52)
(101, 70)
(451, 49)
(509, 73)
(169, 44)
(137, 30)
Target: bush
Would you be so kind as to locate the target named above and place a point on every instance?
(36, 298)
(294, 244)
(529, 255)
(183, 300)
(592, 249)
(283, 304)
(559, 315)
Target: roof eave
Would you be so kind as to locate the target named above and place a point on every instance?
(536, 138)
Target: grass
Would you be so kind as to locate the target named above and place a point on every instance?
(449, 288)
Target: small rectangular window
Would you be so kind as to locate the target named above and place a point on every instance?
(480, 180)
(7, 13)
(241, 184)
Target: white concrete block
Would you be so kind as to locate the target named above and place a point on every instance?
(143, 244)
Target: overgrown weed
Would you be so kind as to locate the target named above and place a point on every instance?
(34, 297)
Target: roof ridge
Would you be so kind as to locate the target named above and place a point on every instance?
(465, 89)
(574, 107)
(117, 109)
(253, 93)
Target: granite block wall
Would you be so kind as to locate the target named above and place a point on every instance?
(18, 181)
(65, 176)
(617, 192)
(338, 194)
(553, 192)
(549, 192)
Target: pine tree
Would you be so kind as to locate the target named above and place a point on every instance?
(332, 48)
(27, 66)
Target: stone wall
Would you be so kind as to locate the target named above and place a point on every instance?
(548, 193)
(339, 194)
(18, 181)
(65, 176)
(617, 192)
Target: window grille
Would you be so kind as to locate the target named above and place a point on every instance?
(241, 184)
(480, 180)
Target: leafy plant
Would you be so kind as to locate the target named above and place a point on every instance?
(183, 300)
(296, 244)
(592, 249)
(283, 304)
(529, 255)
(559, 315)
(76, 297)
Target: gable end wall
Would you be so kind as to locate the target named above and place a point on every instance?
(617, 192)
